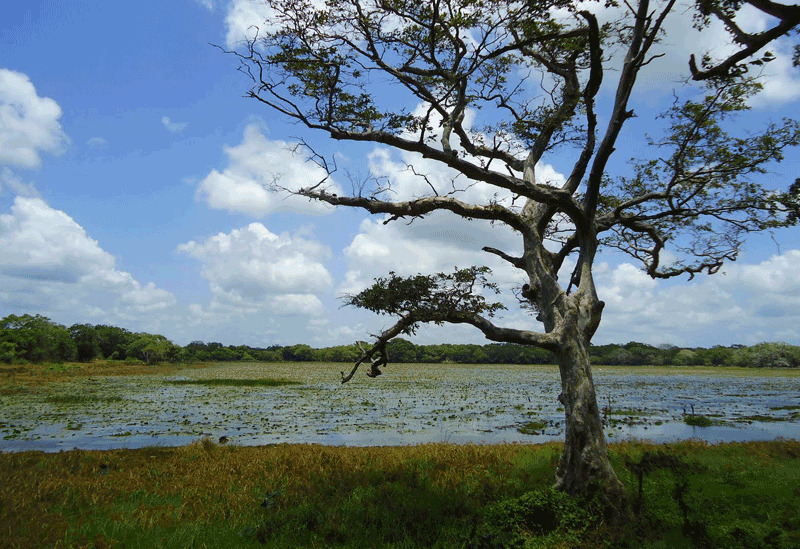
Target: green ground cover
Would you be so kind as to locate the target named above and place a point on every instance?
(478, 496)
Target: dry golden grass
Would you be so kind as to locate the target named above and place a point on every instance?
(39, 374)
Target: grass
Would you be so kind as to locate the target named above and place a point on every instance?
(234, 382)
(43, 374)
(438, 495)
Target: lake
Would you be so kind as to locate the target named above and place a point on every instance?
(409, 404)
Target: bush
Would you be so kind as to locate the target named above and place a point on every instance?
(542, 513)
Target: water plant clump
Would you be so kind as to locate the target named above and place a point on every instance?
(532, 427)
(698, 421)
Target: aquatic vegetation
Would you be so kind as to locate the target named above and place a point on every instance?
(409, 404)
(216, 382)
(623, 412)
(532, 427)
(76, 398)
(698, 421)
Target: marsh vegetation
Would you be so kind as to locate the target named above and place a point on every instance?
(687, 494)
(87, 406)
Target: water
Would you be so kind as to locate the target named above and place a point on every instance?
(410, 404)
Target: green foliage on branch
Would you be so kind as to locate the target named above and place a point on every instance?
(429, 298)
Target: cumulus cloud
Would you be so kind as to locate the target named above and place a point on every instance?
(208, 4)
(745, 303)
(254, 166)
(244, 17)
(48, 262)
(252, 269)
(173, 127)
(28, 123)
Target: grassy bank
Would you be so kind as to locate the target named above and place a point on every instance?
(208, 495)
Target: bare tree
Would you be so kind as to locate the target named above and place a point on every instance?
(327, 65)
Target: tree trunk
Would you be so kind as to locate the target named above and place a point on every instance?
(584, 468)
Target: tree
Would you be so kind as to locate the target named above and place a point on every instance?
(324, 65)
(113, 341)
(767, 355)
(150, 348)
(36, 339)
(298, 353)
(86, 341)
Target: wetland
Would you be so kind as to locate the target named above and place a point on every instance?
(253, 404)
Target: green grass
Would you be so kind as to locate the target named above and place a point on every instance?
(234, 382)
(738, 495)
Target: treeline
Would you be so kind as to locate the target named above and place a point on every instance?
(36, 339)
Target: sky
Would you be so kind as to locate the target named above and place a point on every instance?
(133, 193)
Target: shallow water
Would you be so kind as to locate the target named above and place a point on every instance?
(410, 404)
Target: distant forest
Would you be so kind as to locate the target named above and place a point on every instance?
(36, 339)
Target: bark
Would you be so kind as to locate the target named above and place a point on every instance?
(584, 468)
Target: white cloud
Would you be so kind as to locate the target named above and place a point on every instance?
(244, 16)
(247, 17)
(28, 123)
(16, 185)
(208, 4)
(254, 166)
(628, 288)
(296, 304)
(48, 262)
(174, 127)
(744, 303)
(252, 269)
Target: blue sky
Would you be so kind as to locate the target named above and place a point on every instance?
(132, 193)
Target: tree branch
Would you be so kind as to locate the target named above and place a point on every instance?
(418, 207)
(789, 16)
(517, 262)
